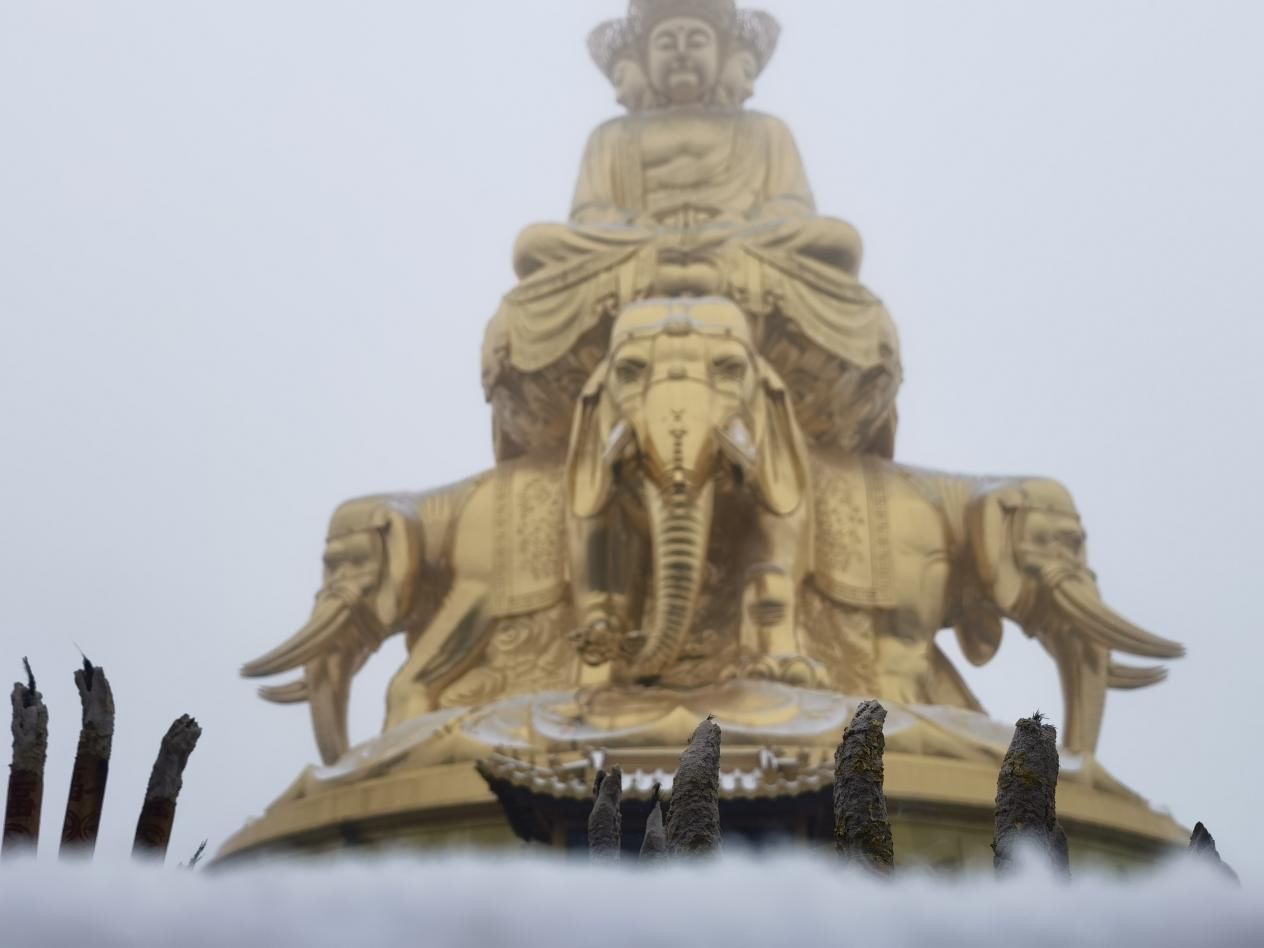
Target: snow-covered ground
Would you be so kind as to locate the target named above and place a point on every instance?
(738, 901)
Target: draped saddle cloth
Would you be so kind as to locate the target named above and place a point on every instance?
(530, 551)
(853, 563)
(852, 539)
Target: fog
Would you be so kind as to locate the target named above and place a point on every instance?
(531, 901)
(248, 249)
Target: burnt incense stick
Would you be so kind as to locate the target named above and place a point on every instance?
(1026, 797)
(157, 816)
(693, 826)
(26, 772)
(862, 832)
(92, 762)
(605, 822)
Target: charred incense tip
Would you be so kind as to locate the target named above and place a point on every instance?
(197, 856)
(167, 777)
(30, 682)
(693, 827)
(97, 699)
(30, 728)
(605, 822)
(1202, 842)
(862, 831)
(157, 816)
(1203, 845)
(654, 846)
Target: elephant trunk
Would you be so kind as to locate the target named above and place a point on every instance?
(680, 525)
(330, 694)
(677, 434)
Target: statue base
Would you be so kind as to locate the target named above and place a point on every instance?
(523, 770)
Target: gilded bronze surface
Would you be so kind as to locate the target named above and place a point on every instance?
(695, 508)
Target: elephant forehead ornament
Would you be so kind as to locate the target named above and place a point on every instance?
(705, 317)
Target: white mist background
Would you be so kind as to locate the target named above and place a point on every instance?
(776, 899)
(248, 249)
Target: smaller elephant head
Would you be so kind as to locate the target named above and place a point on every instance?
(1030, 553)
(371, 554)
(682, 398)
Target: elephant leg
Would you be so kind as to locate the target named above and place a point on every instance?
(769, 614)
(443, 652)
(770, 632)
(328, 680)
(903, 667)
(606, 557)
(906, 660)
(945, 685)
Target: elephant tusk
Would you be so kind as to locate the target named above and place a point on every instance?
(322, 630)
(1128, 678)
(330, 695)
(296, 692)
(1078, 600)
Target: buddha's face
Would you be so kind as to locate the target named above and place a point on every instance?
(683, 60)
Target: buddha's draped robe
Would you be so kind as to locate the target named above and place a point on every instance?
(694, 202)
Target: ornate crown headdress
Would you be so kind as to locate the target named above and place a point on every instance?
(616, 40)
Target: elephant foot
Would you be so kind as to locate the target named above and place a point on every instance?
(796, 670)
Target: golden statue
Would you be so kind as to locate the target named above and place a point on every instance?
(691, 195)
(694, 511)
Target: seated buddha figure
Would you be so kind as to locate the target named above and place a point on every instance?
(691, 194)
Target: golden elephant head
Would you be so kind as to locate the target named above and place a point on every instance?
(1029, 552)
(372, 553)
(683, 403)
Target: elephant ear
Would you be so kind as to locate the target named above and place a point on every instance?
(989, 526)
(781, 467)
(595, 446)
(403, 542)
(979, 627)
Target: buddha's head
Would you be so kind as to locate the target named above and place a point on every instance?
(682, 53)
(682, 59)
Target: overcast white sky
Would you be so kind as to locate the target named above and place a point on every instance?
(248, 248)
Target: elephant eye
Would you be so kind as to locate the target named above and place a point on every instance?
(1073, 540)
(729, 369)
(628, 371)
